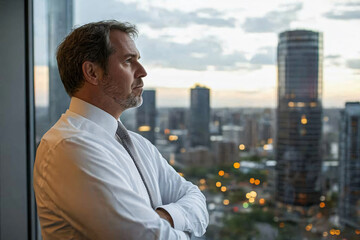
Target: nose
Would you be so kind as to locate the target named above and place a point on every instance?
(141, 72)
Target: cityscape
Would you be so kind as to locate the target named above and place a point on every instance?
(287, 172)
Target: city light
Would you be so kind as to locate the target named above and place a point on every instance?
(291, 104)
(253, 194)
(281, 225)
(335, 232)
(270, 140)
(173, 138)
(261, 201)
(167, 131)
(357, 232)
(236, 165)
(221, 173)
(242, 147)
(266, 147)
(252, 180)
(202, 181)
(303, 119)
(325, 234)
(223, 189)
(144, 128)
(245, 205)
(248, 195)
(251, 200)
(257, 182)
(226, 202)
(218, 184)
(322, 205)
(308, 227)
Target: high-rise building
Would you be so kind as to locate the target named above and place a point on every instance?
(146, 116)
(200, 116)
(60, 15)
(299, 117)
(349, 165)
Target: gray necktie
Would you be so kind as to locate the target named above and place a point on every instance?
(125, 140)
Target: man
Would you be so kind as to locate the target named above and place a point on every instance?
(92, 178)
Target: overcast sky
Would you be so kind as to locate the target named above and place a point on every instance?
(229, 46)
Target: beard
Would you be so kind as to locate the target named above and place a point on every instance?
(131, 101)
(112, 90)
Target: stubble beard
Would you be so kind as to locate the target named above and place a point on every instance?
(132, 100)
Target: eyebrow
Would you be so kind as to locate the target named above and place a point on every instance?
(134, 55)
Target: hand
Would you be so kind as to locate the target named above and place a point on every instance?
(165, 215)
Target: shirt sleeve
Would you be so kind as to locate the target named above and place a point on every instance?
(182, 200)
(82, 185)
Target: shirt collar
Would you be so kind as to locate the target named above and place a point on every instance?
(94, 114)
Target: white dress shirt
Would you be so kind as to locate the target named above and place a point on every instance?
(88, 187)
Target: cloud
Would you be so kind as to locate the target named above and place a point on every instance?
(353, 63)
(274, 21)
(265, 56)
(203, 54)
(333, 56)
(343, 15)
(154, 17)
(344, 11)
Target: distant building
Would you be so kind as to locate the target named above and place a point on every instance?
(234, 134)
(225, 152)
(200, 117)
(199, 156)
(60, 16)
(299, 117)
(177, 118)
(349, 165)
(146, 116)
(251, 132)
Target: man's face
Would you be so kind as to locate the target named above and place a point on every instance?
(123, 81)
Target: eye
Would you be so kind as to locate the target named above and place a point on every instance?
(128, 60)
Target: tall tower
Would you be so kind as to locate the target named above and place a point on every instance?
(200, 116)
(146, 116)
(60, 15)
(349, 165)
(299, 117)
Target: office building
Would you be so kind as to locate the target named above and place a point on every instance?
(349, 165)
(60, 16)
(146, 116)
(200, 116)
(299, 117)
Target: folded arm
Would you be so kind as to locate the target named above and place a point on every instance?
(91, 195)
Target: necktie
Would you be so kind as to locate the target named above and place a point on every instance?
(125, 140)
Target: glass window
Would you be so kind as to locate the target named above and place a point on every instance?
(255, 135)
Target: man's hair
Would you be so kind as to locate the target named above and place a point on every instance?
(90, 42)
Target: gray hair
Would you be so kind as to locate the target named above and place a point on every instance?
(90, 42)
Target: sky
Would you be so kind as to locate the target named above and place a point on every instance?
(228, 46)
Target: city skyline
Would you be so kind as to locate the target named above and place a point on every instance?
(229, 47)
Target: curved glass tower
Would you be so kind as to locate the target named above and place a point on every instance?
(299, 117)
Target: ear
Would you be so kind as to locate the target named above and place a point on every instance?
(92, 72)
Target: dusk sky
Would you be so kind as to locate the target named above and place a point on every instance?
(228, 46)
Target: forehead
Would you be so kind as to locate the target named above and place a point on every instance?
(122, 43)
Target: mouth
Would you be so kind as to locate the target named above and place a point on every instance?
(139, 86)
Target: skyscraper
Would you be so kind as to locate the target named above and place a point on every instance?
(349, 165)
(60, 15)
(200, 116)
(299, 117)
(146, 116)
